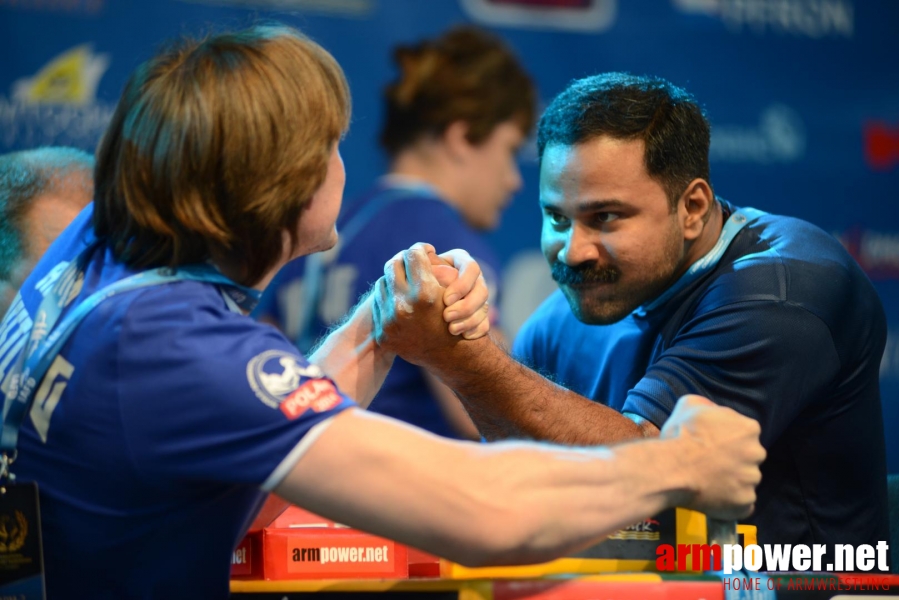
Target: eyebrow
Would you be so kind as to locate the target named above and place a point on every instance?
(592, 205)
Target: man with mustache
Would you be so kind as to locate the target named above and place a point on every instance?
(666, 289)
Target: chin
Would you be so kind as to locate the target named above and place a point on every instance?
(594, 317)
(597, 312)
(327, 243)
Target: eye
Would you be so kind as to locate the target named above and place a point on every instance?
(555, 218)
(605, 217)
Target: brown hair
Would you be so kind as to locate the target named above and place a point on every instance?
(464, 75)
(216, 146)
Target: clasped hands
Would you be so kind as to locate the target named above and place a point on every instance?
(427, 302)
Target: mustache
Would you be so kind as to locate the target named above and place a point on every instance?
(585, 273)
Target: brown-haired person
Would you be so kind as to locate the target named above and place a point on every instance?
(454, 119)
(160, 419)
(41, 191)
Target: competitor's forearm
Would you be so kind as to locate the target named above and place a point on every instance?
(480, 504)
(350, 356)
(568, 499)
(506, 399)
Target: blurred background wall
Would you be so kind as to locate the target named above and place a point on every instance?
(803, 96)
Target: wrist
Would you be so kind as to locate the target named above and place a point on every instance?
(456, 363)
(681, 473)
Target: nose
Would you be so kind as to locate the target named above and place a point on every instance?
(579, 247)
(515, 181)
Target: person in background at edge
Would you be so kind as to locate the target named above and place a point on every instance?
(454, 120)
(666, 290)
(167, 413)
(41, 191)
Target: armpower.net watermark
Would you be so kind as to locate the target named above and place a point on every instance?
(788, 567)
(730, 558)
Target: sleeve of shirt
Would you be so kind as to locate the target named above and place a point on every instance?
(209, 395)
(766, 360)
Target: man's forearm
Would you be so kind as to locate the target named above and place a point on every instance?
(506, 399)
(350, 356)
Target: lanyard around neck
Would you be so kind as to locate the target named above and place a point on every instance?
(51, 329)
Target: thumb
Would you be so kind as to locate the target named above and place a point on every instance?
(694, 400)
(444, 274)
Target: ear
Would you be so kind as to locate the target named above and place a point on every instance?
(455, 140)
(694, 207)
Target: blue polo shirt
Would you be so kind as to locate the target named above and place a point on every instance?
(168, 417)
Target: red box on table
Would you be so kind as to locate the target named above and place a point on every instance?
(287, 542)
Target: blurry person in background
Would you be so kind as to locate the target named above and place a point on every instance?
(454, 119)
(41, 191)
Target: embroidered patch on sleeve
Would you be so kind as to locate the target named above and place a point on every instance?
(318, 395)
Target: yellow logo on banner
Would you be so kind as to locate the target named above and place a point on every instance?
(70, 78)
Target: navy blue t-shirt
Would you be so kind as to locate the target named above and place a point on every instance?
(168, 416)
(389, 218)
(784, 328)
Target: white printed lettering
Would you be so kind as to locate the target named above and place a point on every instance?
(47, 397)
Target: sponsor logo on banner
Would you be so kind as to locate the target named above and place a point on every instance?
(57, 6)
(877, 252)
(274, 375)
(881, 145)
(805, 18)
(570, 15)
(58, 105)
(340, 8)
(778, 137)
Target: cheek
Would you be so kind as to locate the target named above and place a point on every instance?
(644, 261)
(550, 243)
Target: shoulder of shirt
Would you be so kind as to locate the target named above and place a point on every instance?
(184, 304)
(781, 259)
